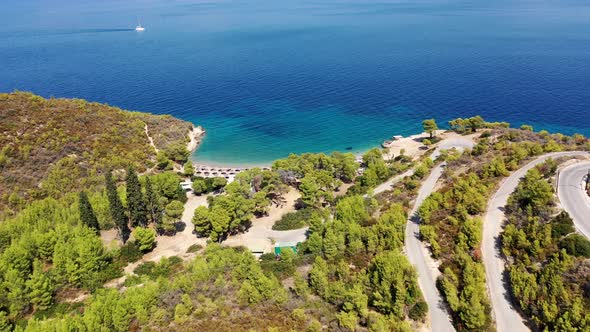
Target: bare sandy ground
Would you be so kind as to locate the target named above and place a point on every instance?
(110, 238)
(167, 246)
(343, 189)
(413, 147)
(178, 244)
(261, 236)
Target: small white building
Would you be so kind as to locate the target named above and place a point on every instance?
(186, 185)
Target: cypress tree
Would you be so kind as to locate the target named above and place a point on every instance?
(135, 201)
(117, 210)
(151, 199)
(87, 213)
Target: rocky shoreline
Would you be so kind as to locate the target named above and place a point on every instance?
(196, 137)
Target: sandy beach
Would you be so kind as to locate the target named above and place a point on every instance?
(412, 146)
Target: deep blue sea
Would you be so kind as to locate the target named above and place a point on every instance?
(266, 78)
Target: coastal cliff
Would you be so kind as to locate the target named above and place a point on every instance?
(52, 146)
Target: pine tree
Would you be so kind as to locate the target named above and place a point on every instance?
(135, 201)
(318, 276)
(330, 244)
(173, 214)
(220, 221)
(154, 212)
(40, 288)
(189, 169)
(430, 127)
(202, 221)
(145, 238)
(4, 322)
(117, 210)
(87, 213)
(15, 293)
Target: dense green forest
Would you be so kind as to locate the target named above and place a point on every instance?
(49, 147)
(52, 249)
(355, 260)
(548, 261)
(51, 252)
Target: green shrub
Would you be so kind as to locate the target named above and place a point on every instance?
(146, 268)
(145, 238)
(194, 248)
(420, 171)
(314, 326)
(132, 281)
(561, 225)
(163, 162)
(174, 260)
(298, 314)
(411, 184)
(130, 252)
(111, 271)
(59, 309)
(294, 220)
(282, 267)
(418, 311)
(576, 245)
(164, 268)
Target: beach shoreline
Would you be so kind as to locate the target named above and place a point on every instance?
(412, 146)
(213, 164)
(196, 137)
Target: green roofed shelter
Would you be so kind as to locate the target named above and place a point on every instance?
(282, 245)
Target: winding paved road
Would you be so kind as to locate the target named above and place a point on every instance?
(570, 190)
(387, 184)
(417, 253)
(506, 316)
(420, 257)
(447, 144)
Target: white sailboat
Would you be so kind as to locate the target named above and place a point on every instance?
(139, 27)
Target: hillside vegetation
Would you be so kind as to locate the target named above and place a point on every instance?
(548, 261)
(349, 274)
(451, 217)
(53, 146)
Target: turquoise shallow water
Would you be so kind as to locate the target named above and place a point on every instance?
(266, 78)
